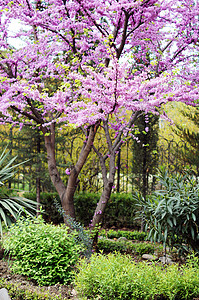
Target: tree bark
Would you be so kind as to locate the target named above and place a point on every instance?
(118, 170)
(66, 194)
(38, 185)
(108, 185)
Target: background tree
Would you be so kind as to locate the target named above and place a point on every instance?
(145, 154)
(190, 152)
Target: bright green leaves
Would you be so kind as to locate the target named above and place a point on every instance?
(42, 252)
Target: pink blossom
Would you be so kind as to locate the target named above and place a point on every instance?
(67, 171)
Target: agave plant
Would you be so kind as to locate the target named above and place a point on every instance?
(11, 207)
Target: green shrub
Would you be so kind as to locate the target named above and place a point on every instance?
(117, 277)
(124, 246)
(111, 246)
(172, 214)
(120, 210)
(142, 248)
(42, 252)
(22, 294)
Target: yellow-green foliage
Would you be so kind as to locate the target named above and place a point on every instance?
(42, 252)
(174, 112)
(116, 276)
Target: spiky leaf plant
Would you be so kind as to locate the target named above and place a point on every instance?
(11, 206)
(172, 213)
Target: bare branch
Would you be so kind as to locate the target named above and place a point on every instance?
(107, 134)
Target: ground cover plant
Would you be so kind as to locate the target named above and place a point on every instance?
(116, 276)
(42, 252)
(123, 241)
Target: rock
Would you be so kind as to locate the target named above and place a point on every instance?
(4, 294)
(166, 260)
(73, 294)
(122, 238)
(149, 257)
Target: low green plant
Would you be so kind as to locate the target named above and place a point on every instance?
(130, 235)
(172, 214)
(42, 252)
(117, 276)
(108, 246)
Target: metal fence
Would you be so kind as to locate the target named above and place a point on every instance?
(172, 155)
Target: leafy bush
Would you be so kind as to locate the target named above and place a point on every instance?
(124, 246)
(117, 277)
(22, 294)
(172, 214)
(42, 252)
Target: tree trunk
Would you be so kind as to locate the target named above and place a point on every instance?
(38, 185)
(108, 185)
(53, 171)
(118, 170)
(66, 194)
(67, 198)
(99, 211)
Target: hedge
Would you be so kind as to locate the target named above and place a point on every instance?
(120, 211)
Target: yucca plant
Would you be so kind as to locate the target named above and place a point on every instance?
(11, 206)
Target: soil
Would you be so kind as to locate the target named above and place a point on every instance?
(66, 292)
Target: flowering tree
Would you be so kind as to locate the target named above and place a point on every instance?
(95, 64)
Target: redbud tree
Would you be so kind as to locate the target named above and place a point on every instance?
(112, 61)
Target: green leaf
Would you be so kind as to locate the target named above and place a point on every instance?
(192, 233)
(193, 217)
